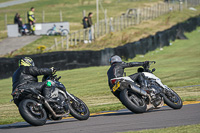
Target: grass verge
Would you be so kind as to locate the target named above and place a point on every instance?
(177, 65)
(179, 129)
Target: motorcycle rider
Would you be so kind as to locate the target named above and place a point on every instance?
(25, 77)
(117, 70)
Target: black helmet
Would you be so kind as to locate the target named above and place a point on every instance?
(26, 61)
(115, 59)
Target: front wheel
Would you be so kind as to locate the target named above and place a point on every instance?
(64, 32)
(78, 109)
(32, 112)
(132, 101)
(172, 99)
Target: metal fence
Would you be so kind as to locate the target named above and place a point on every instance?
(133, 17)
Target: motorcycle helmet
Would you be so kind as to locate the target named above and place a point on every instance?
(115, 59)
(26, 61)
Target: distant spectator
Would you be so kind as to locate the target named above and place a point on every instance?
(16, 18)
(90, 25)
(20, 23)
(22, 28)
(85, 26)
(31, 20)
(90, 19)
(85, 22)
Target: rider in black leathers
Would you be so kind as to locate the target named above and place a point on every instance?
(25, 77)
(117, 70)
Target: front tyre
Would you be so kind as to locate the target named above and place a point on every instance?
(172, 99)
(132, 101)
(78, 110)
(32, 113)
(64, 32)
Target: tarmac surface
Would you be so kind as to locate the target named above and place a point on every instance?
(111, 122)
(11, 44)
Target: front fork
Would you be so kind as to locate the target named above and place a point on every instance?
(72, 97)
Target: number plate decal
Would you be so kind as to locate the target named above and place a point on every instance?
(116, 87)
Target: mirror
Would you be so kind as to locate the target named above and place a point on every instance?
(153, 70)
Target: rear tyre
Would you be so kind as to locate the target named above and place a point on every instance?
(50, 32)
(172, 99)
(79, 110)
(32, 113)
(132, 101)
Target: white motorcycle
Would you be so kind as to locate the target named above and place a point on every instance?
(138, 100)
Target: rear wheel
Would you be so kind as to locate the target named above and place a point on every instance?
(132, 101)
(78, 110)
(32, 112)
(172, 99)
(50, 32)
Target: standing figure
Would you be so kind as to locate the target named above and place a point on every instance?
(90, 26)
(31, 20)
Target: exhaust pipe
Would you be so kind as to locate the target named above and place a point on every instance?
(51, 110)
(137, 89)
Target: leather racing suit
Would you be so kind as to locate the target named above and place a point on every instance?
(117, 70)
(25, 77)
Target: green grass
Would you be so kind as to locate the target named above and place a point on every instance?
(177, 65)
(179, 129)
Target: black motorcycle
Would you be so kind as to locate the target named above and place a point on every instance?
(35, 109)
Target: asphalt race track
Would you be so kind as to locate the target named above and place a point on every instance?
(111, 122)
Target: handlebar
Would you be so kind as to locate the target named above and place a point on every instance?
(147, 66)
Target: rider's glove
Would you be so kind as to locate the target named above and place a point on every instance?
(146, 63)
(53, 70)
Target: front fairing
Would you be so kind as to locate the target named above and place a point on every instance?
(152, 76)
(59, 85)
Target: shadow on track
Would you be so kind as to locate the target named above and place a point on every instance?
(26, 125)
(127, 112)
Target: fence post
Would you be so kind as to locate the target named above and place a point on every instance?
(67, 42)
(6, 20)
(124, 21)
(79, 36)
(111, 27)
(186, 4)
(92, 32)
(43, 16)
(83, 13)
(71, 40)
(101, 28)
(180, 5)
(138, 16)
(61, 16)
(120, 22)
(106, 24)
(62, 42)
(56, 43)
(75, 38)
(25, 17)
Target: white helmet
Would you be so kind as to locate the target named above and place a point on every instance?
(115, 59)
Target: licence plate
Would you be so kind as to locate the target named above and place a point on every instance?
(116, 86)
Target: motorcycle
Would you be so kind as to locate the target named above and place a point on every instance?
(154, 96)
(35, 109)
